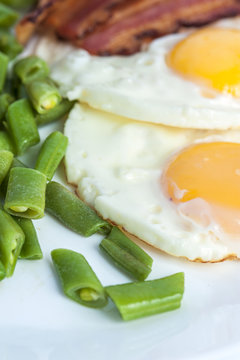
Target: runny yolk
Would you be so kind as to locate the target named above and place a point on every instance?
(210, 56)
(211, 172)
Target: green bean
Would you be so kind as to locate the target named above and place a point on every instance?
(7, 16)
(21, 92)
(3, 69)
(43, 94)
(22, 126)
(19, 4)
(6, 158)
(2, 271)
(31, 249)
(138, 299)
(25, 193)
(125, 253)
(79, 282)
(73, 212)
(51, 153)
(11, 241)
(30, 68)
(15, 163)
(9, 44)
(56, 113)
(5, 101)
(6, 142)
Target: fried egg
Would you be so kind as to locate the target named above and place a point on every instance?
(189, 80)
(176, 189)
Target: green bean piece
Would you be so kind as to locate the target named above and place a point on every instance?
(11, 241)
(78, 280)
(3, 69)
(6, 158)
(8, 87)
(31, 249)
(2, 271)
(21, 92)
(19, 4)
(72, 212)
(9, 44)
(22, 125)
(6, 142)
(31, 68)
(126, 254)
(43, 94)
(144, 298)
(5, 101)
(26, 193)
(51, 154)
(56, 113)
(15, 163)
(7, 16)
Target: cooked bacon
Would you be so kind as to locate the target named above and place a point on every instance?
(86, 19)
(106, 27)
(70, 19)
(30, 22)
(126, 35)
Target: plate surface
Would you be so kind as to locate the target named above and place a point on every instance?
(39, 323)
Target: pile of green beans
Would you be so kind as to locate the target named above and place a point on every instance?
(28, 99)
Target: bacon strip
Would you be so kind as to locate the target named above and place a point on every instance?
(87, 19)
(26, 28)
(70, 19)
(106, 27)
(126, 35)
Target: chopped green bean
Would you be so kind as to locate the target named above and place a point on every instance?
(6, 142)
(43, 94)
(22, 125)
(15, 163)
(11, 241)
(72, 212)
(2, 271)
(25, 193)
(51, 154)
(21, 92)
(31, 249)
(6, 158)
(5, 101)
(56, 113)
(9, 44)
(143, 298)
(79, 282)
(31, 68)
(7, 16)
(3, 69)
(125, 253)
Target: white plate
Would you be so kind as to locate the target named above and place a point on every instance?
(37, 322)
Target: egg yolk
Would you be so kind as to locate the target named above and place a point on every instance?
(210, 56)
(211, 172)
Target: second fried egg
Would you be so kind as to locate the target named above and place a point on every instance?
(176, 189)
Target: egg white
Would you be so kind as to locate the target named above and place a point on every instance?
(143, 87)
(116, 164)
